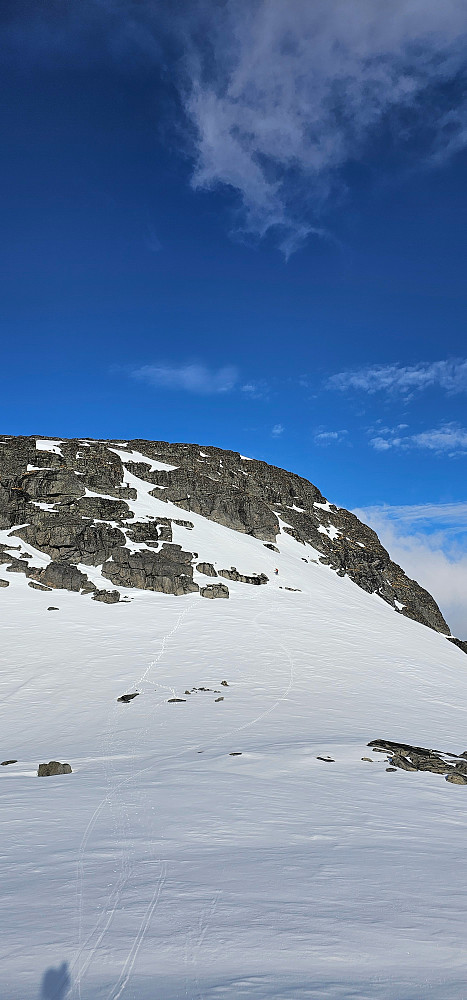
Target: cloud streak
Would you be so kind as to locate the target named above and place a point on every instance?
(450, 439)
(325, 438)
(281, 96)
(192, 378)
(406, 380)
(278, 97)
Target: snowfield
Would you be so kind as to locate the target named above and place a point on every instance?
(164, 867)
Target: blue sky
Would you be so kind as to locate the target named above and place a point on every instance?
(243, 224)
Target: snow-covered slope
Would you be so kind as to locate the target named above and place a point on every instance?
(201, 848)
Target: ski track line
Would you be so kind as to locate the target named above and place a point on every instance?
(109, 795)
(203, 926)
(140, 936)
(90, 826)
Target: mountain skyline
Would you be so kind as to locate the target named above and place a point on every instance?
(243, 225)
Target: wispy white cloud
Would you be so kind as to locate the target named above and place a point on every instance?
(323, 437)
(406, 380)
(450, 439)
(279, 95)
(282, 95)
(429, 541)
(188, 378)
(277, 430)
(255, 390)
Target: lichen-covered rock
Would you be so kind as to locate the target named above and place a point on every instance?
(233, 574)
(60, 576)
(52, 768)
(103, 509)
(168, 571)
(157, 530)
(68, 538)
(106, 596)
(206, 568)
(214, 590)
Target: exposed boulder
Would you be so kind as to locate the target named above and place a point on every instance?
(4, 583)
(103, 509)
(206, 568)
(52, 484)
(106, 596)
(149, 532)
(67, 538)
(214, 590)
(414, 758)
(233, 574)
(168, 571)
(60, 576)
(52, 768)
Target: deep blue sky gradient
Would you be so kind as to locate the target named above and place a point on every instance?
(111, 261)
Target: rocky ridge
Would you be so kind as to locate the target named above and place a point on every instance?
(71, 501)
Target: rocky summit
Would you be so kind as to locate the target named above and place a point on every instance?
(85, 514)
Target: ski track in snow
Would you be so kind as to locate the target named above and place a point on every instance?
(98, 933)
(106, 800)
(125, 974)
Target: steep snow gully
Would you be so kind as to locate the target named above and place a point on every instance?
(227, 833)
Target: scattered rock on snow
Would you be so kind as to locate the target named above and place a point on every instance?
(4, 583)
(38, 586)
(456, 778)
(107, 596)
(214, 590)
(414, 758)
(219, 699)
(328, 760)
(5, 762)
(52, 609)
(52, 768)
(232, 574)
(128, 697)
(171, 701)
(224, 684)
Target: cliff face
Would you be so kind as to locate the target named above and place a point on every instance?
(76, 501)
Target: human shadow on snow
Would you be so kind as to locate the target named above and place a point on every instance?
(55, 983)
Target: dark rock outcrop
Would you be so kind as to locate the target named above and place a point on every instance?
(46, 496)
(52, 768)
(106, 596)
(169, 571)
(214, 590)
(233, 574)
(60, 576)
(207, 569)
(68, 538)
(413, 758)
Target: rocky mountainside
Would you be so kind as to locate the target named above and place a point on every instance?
(110, 505)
